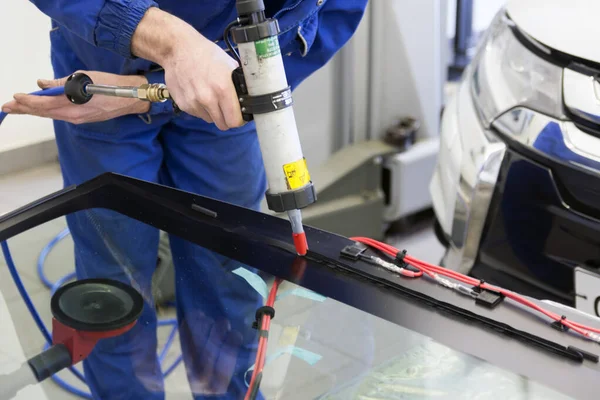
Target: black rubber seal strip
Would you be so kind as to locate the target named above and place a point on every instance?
(586, 354)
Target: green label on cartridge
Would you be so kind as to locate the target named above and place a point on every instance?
(267, 48)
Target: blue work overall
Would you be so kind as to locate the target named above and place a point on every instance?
(215, 308)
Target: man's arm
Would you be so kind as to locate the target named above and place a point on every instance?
(157, 35)
(197, 71)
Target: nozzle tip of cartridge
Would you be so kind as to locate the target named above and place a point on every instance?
(300, 243)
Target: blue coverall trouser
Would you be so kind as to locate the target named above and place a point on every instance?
(215, 308)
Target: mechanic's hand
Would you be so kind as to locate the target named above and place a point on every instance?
(99, 108)
(197, 71)
(198, 75)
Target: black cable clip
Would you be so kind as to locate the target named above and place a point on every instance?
(400, 259)
(264, 310)
(559, 325)
(353, 251)
(478, 289)
(403, 264)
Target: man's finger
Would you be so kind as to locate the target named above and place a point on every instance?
(49, 83)
(69, 114)
(217, 116)
(203, 114)
(42, 102)
(19, 108)
(8, 107)
(230, 107)
(23, 109)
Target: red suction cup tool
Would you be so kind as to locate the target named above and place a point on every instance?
(85, 312)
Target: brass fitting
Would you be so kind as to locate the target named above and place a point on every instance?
(154, 92)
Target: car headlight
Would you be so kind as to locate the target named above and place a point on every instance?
(506, 74)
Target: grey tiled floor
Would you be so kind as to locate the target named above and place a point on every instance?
(350, 342)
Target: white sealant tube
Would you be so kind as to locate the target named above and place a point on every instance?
(277, 131)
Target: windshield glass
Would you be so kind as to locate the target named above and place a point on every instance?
(194, 338)
(318, 347)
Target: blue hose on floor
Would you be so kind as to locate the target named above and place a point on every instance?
(19, 284)
(70, 388)
(44, 254)
(61, 282)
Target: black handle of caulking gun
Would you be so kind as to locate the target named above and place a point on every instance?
(239, 81)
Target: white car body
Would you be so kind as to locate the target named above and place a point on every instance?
(567, 26)
(514, 89)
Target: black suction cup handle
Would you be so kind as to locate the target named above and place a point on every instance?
(75, 88)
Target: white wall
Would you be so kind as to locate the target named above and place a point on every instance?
(25, 57)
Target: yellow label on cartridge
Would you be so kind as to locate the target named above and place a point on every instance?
(296, 174)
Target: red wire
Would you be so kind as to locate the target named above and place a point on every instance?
(388, 249)
(262, 342)
(430, 269)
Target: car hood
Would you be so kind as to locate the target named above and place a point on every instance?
(571, 26)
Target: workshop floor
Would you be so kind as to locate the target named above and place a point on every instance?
(349, 342)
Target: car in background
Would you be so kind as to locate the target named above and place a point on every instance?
(516, 190)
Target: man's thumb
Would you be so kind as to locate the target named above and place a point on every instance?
(49, 83)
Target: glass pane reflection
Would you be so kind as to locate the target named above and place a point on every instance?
(318, 348)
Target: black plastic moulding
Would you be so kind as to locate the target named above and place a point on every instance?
(264, 242)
